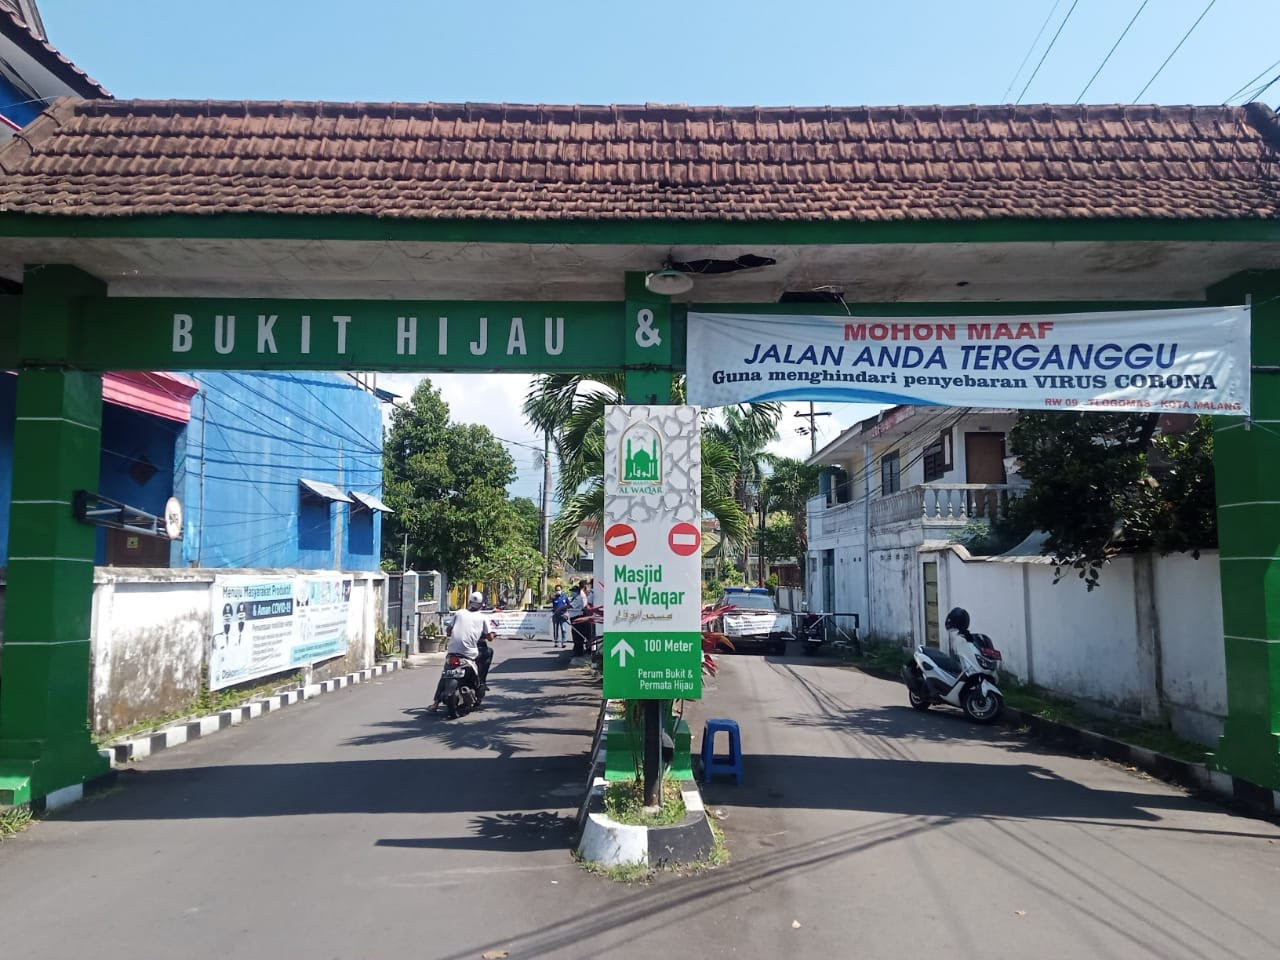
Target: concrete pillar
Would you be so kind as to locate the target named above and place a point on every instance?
(45, 743)
(1247, 475)
(1147, 621)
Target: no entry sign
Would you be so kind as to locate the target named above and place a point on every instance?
(684, 539)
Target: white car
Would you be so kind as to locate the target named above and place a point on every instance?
(756, 623)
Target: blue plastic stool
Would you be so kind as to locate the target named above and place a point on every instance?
(710, 765)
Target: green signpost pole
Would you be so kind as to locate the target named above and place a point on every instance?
(646, 312)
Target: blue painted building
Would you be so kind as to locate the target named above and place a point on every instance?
(281, 470)
(274, 470)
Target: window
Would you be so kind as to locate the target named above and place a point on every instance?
(937, 457)
(890, 474)
(360, 530)
(315, 523)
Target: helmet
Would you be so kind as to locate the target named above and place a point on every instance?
(476, 599)
(957, 619)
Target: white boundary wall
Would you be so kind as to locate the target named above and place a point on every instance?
(1147, 641)
(152, 630)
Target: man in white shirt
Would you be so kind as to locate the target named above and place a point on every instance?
(468, 637)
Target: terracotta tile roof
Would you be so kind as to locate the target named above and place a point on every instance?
(30, 37)
(508, 162)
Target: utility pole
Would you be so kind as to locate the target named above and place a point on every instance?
(812, 429)
(404, 557)
(337, 508)
(545, 532)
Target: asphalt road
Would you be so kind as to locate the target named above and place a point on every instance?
(353, 826)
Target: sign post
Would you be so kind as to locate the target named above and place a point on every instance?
(652, 511)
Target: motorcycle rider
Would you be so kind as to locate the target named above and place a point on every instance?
(468, 637)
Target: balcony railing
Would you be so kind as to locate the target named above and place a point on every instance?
(934, 505)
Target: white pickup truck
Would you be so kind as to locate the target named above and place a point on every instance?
(756, 623)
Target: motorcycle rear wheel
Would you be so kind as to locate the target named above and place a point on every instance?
(451, 706)
(917, 702)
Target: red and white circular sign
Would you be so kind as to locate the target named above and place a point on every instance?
(684, 539)
(620, 539)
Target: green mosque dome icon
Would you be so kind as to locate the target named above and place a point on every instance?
(642, 465)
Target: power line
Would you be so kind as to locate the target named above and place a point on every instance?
(1249, 83)
(1254, 95)
(1123, 33)
(1025, 57)
(1207, 8)
(1074, 3)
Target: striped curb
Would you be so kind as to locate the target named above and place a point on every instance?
(139, 748)
(1193, 776)
(602, 840)
(1197, 777)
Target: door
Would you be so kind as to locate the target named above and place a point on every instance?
(828, 581)
(931, 631)
(984, 463)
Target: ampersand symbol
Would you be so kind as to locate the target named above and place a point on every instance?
(646, 335)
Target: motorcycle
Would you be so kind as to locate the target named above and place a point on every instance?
(813, 632)
(462, 685)
(964, 678)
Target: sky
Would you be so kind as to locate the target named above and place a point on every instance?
(741, 53)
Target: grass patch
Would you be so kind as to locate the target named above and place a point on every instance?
(718, 856)
(1043, 704)
(210, 701)
(624, 803)
(880, 658)
(13, 821)
(620, 873)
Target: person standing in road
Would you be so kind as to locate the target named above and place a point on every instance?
(559, 616)
(577, 613)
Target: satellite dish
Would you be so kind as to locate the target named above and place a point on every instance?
(173, 518)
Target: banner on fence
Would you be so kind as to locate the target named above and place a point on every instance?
(1176, 361)
(264, 625)
(530, 624)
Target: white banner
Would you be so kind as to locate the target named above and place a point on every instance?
(1178, 361)
(530, 624)
(265, 625)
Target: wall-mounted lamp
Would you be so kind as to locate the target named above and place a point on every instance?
(668, 282)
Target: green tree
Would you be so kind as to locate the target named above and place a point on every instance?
(1102, 484)
(446, 483)
(787, 490)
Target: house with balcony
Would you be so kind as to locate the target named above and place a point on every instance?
(890, 484)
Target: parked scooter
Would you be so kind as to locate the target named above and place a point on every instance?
(964, 678)
(813, 632)
(463, 685)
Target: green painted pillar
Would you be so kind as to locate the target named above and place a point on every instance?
(1247, 476)
(649, 344)
(45, 742)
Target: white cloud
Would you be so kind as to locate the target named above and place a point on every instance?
(843, 415)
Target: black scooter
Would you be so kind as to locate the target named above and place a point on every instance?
(463, 682)
(813, 632)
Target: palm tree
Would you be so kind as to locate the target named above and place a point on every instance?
(571, 408)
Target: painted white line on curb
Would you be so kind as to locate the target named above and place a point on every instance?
(63, 797)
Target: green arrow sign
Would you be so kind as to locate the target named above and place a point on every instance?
(653, 666)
